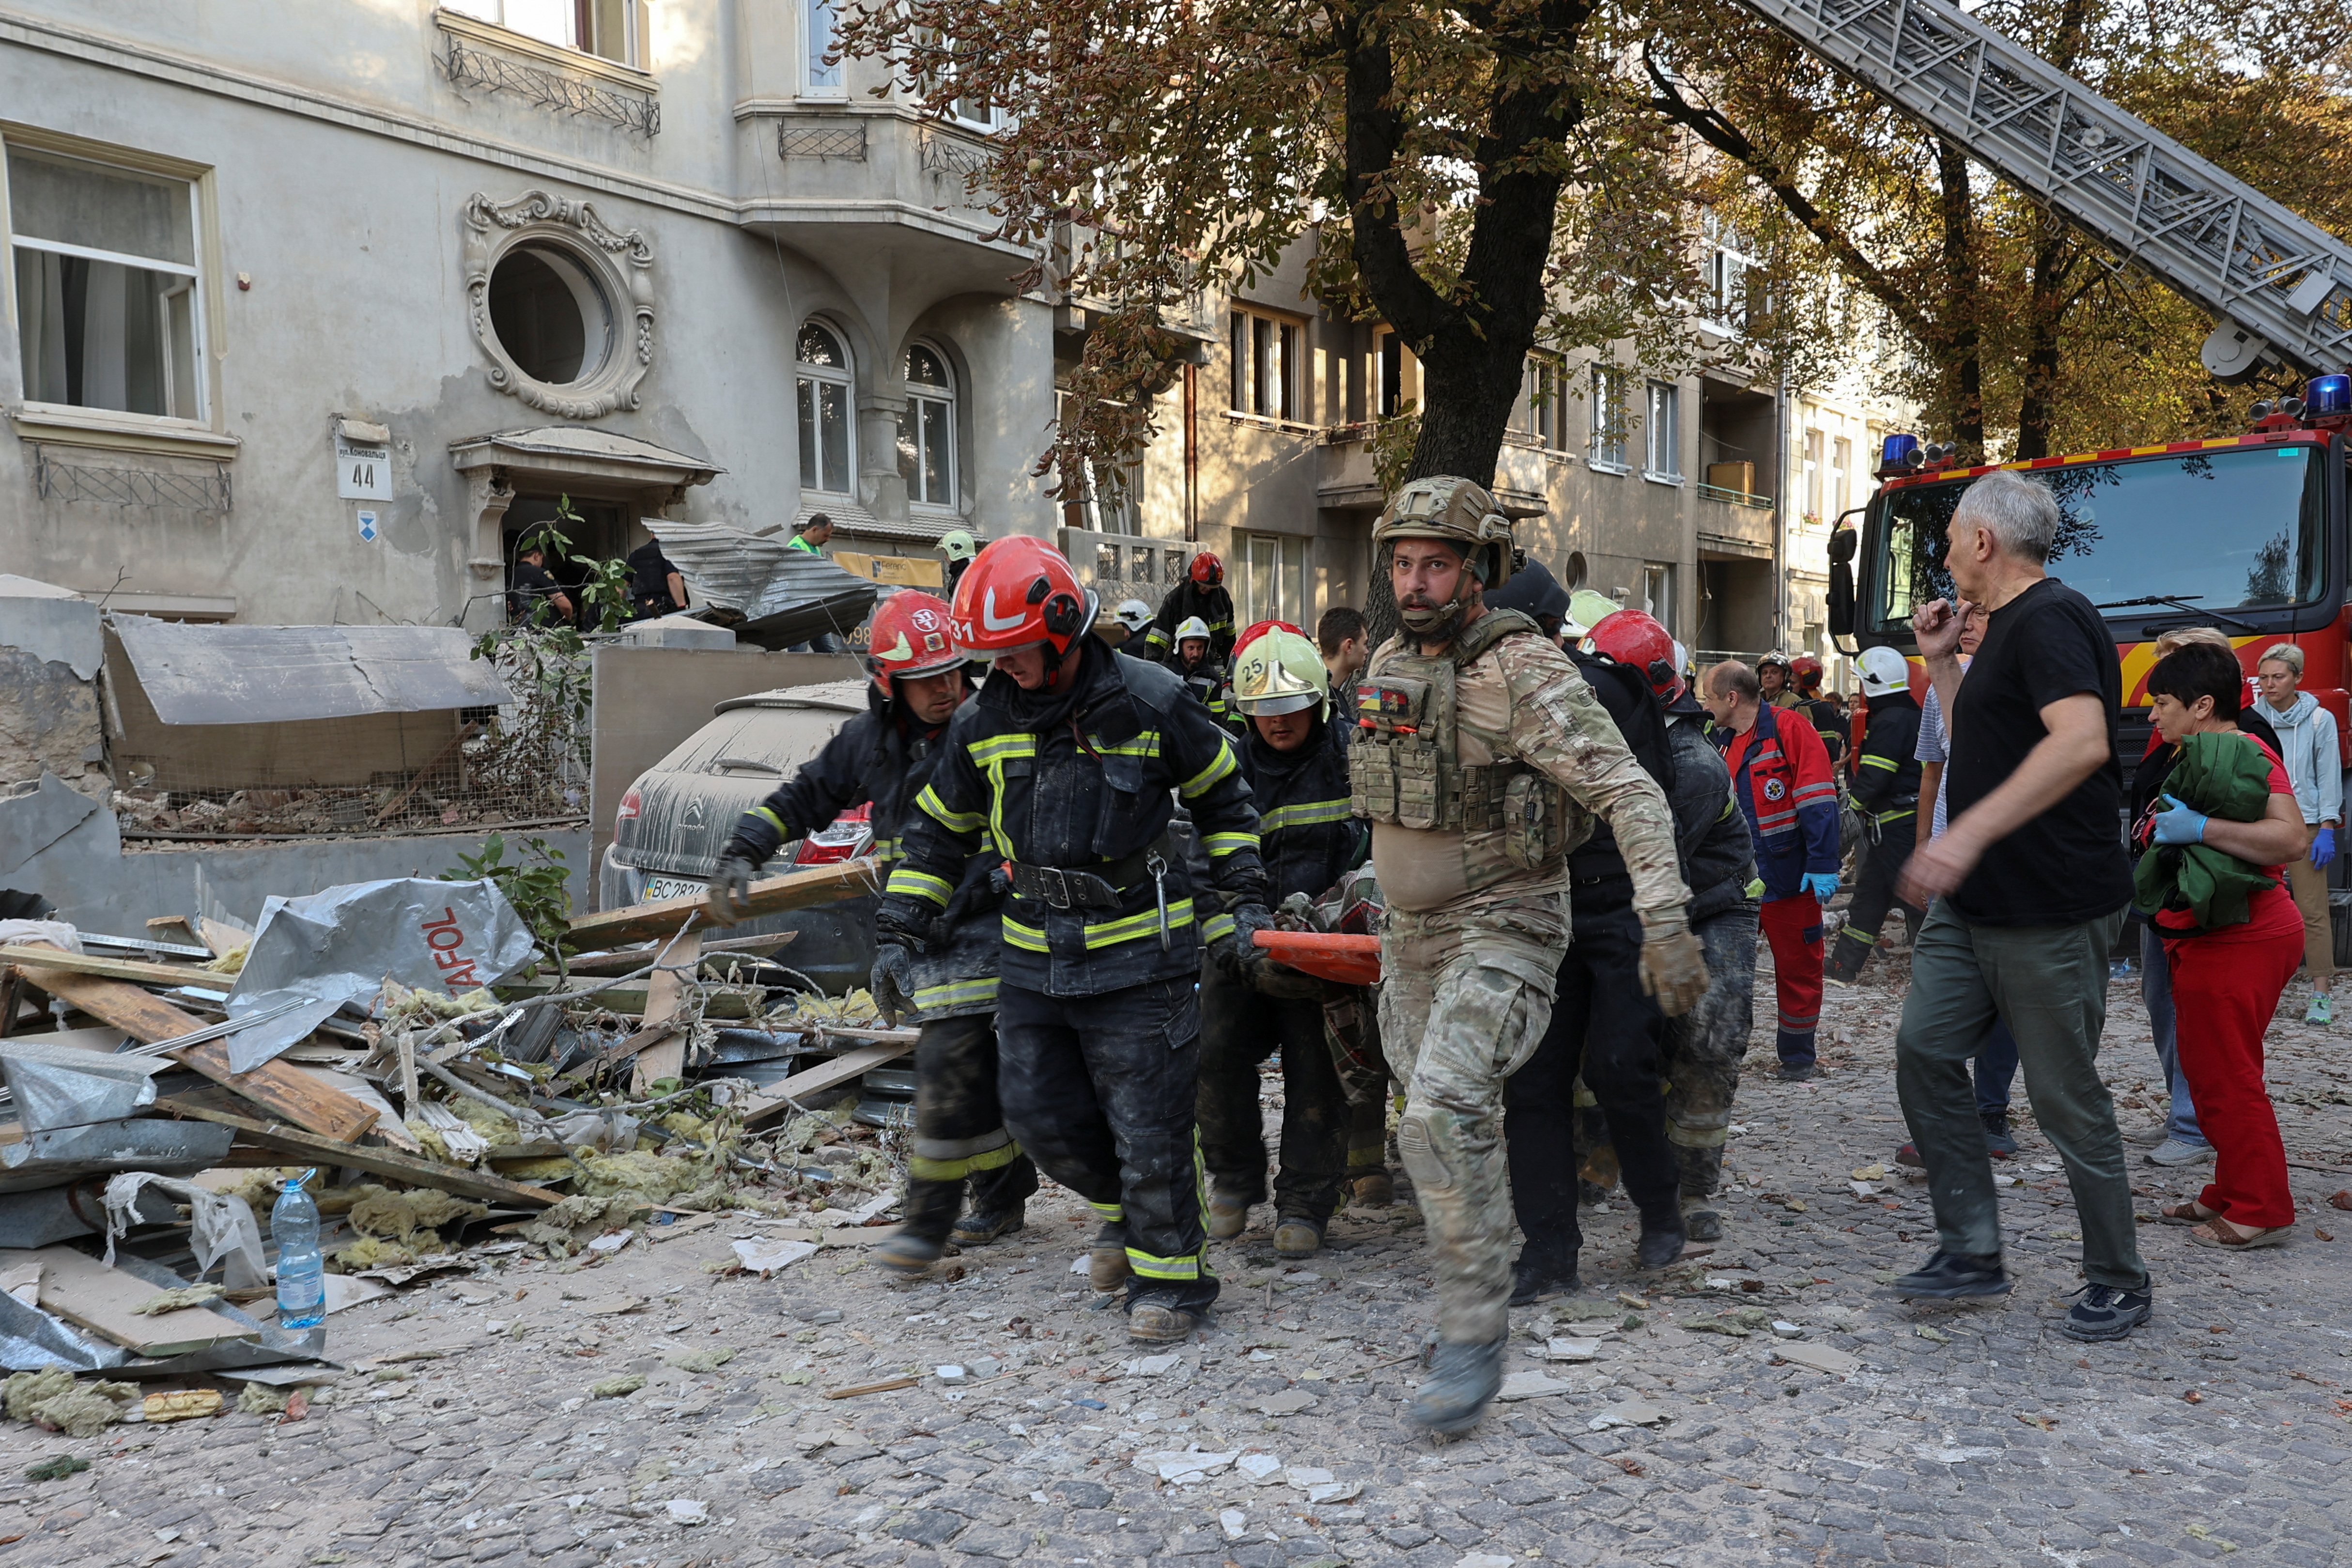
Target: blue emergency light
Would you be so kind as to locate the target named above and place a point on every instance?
(2325, 395)
(1899, 452)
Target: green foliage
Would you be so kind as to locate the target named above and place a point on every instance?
(533, 883)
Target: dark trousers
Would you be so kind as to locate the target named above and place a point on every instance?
(1604, 1028)
(960, 1136)
(1239, 1027)
(1099, 1090)
(1873, 897)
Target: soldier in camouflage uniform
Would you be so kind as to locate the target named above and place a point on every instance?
(1471, 726)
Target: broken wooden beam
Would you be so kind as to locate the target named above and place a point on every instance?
(665, 918)
(381, 1162)
(44, 959)
(830, 1075)
(629, 960)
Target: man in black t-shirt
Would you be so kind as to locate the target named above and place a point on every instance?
(655, 588)
(532, 586)
(2025, 892)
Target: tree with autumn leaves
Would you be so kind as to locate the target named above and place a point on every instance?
(1487, 176)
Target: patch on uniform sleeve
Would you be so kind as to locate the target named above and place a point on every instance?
(1776, 789)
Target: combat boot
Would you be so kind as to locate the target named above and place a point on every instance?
(1297, 1237)
(1157, 1323)
(908, 1256)
(1660, 1244)
(1463, 1380)
(1228, 1213)
(1376, 1190)
(1844, 967)
(1107, 1265)
(978, 1229)
(1534, 1279)
(1701, 1222)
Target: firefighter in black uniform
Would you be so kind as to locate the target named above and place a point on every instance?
(1887, 795)
(1203, 673)
(1204, 593)
(1072, 759)
(1296, 760)
(1805, 670)
(885, 755)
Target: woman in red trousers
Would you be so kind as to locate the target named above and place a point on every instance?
(2226, 980)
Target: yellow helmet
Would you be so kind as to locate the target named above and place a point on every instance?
(1280, 672)
(1456, 510)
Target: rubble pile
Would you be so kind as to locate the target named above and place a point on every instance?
(435, 1078)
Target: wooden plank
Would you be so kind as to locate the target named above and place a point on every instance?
(627, 1000)
(626, 1050)
(280, 1089)
(665, 995)
(658, 921)
(811, 1081)
(411, 1169)
(629, 960)
(220, 936)
(43, 958)
(87, 1294)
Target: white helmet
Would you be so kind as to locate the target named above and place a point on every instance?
(1133, 613)
(1882, 670)
(1193, 628)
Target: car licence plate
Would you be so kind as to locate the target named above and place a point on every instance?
(660, 888)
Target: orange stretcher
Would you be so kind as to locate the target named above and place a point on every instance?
(1335, 956)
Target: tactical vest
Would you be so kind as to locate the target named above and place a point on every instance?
(1405, 767)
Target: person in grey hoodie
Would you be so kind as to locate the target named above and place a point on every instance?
(2306, 734)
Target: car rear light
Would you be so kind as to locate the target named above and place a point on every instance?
(630, 805)
(850, 835)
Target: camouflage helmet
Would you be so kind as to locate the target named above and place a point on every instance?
(1280, 672)
(1456, 510)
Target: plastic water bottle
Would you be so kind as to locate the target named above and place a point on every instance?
(301, 1272)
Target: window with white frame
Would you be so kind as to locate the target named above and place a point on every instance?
(1266, 364)
(940, 73)
(1734, 276)
(608, 28)
(1397, 374)
(927, 429)
(1541, 412)
(827, 411)
(109, 313)
(1841, 466)
(1611, 419)
(1273, 586)
(1814, 472)
(820, 22)
(1658, 592)
(1662, 451)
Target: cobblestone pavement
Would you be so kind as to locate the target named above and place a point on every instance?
(1968, 1433)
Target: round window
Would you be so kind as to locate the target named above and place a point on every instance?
(550, 314)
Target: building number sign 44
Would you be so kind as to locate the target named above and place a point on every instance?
(362, 472)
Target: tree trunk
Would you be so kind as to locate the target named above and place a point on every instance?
(1963, 364)
(2055, 257)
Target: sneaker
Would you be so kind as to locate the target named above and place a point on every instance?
(2174, 1151)
(1948, 1276)
(2103, 1312)
(1228, 1215)
(1297, 1237)
(1998, 1142)
(1796, 1072)
(1537, 1278)
(1909, 1155)
(2147, 1137)
(2320, 1011)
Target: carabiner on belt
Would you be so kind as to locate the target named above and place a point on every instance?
(1159, 869)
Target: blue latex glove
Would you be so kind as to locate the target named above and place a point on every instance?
(1821, 884)
(2181, 825)
(2323, 846)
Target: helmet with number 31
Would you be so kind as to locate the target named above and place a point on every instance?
(1019, 592)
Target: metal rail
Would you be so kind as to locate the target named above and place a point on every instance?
(2280, 287)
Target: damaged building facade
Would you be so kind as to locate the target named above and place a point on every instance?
(310, 311)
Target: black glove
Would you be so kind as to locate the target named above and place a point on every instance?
(1234, 953)
(893, 982)
(904, 922)
(731, 886)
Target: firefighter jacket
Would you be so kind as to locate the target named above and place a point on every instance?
(1718, 859)
(1185, 600)
(1625, 695)
(1309, 833)
(1885, 772)
(1828, 724)
(1208, 682)
(1460, 762)
(1076, 793)
(1782, 778)
(881, 758)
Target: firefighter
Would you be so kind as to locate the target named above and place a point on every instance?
(1202, 594)
(1887, 775)
(959, 546)
(886, 755)
(1603, 1049)
(1471, 725)
(1704, 1047)
(1203, 675)
(1296, 761)
(1123, 628)
(1069, 765)
(1806, 671)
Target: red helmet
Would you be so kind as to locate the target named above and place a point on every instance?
(1207, 569)
(910, 639)
(1257, 629)
(1805, 672)
(1017, 593)
(1634, 637)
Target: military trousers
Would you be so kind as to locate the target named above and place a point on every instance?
(1465, 994)
(960, 1136)
(1241, 1026)
(1100, 1091)
(1706, 1045)
(1605, 1029)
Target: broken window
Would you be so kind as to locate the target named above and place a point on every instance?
(109, 312)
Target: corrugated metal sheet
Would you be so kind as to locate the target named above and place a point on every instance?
(249, 675)
(785, 595)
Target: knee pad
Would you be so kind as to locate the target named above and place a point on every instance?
(1425, 1145)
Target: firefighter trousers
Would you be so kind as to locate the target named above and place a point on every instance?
(1874, 898)
(1099, 1090)
(960, 1136)
(1239, 1027)
(1465, 997)
(1604, 1029)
